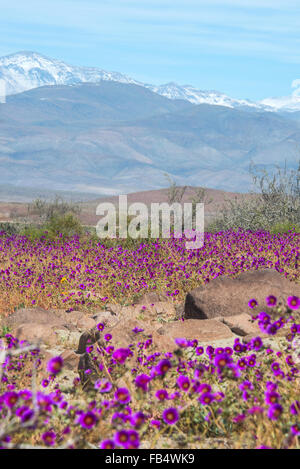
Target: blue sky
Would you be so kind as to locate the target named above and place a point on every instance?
(245, 48)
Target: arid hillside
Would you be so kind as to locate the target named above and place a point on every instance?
(214, 201)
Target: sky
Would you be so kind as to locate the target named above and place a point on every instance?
(244, 48)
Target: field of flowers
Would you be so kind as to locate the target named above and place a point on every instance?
(77, 274)
(246, 395)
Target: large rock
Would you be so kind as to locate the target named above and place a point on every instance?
(225, 296)
(57, 318)
(123, 333)
(206, 331)
(241, 324)
(107, 318)
(36, 334)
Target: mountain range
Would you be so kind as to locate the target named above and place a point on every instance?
(88, 130)
(26, 70)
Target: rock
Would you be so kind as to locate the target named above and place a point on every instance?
(148, 314)
(151, 298)
(113, 308)
(165, 309)
(36, 334)
(87, 338)
(123, 334)
(225, 296)
(85, 323)
(205, 331)
(107, 318)
(34, 315)
(241, 324)
(69, 371)
(71, 360)
(179, 310)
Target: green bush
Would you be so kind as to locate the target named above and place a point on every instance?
(285, 227)
(9, 228)
(64, 226)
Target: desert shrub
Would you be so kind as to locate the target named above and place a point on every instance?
(45, 210)
(62, 226)
(66, 225)
(8, 228)
(277, 202)
(51, 219)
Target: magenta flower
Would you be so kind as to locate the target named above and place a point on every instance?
(275, 411)
(10, 399)
(271, 300)
(295, 408)
(55, 365)
(103, 385)
(222, 359)
(121, 354)
(163, 366)
(133, 440)
(122, 395)
(295, 429)
(256, 410)
(252, 303)
(272, 397)
(170, 416)
(142, 381)
(49, 438)
(182, 343)
(137, 419)
(206, 398)
(121, 438)
(256, 343)
(24, 413)
(87, 420)
(162, 394)
(293, 302)
(199, 350)
(239, 418)
(183, 383)
(204, 387)
(107, 444)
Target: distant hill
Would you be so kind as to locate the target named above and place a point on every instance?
(215, 200)
(115, 137)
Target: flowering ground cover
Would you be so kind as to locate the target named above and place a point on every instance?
(245, 395)
(240, 396)
(80, 273)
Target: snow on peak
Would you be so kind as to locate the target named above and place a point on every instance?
(26, 70)
(196, 96)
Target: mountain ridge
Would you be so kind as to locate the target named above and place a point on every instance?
(26, 70)
(122, 137)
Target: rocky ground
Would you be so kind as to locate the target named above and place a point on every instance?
(214, 314)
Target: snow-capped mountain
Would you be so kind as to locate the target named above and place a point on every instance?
(285, 103)
(195, 96)
(25, 70)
